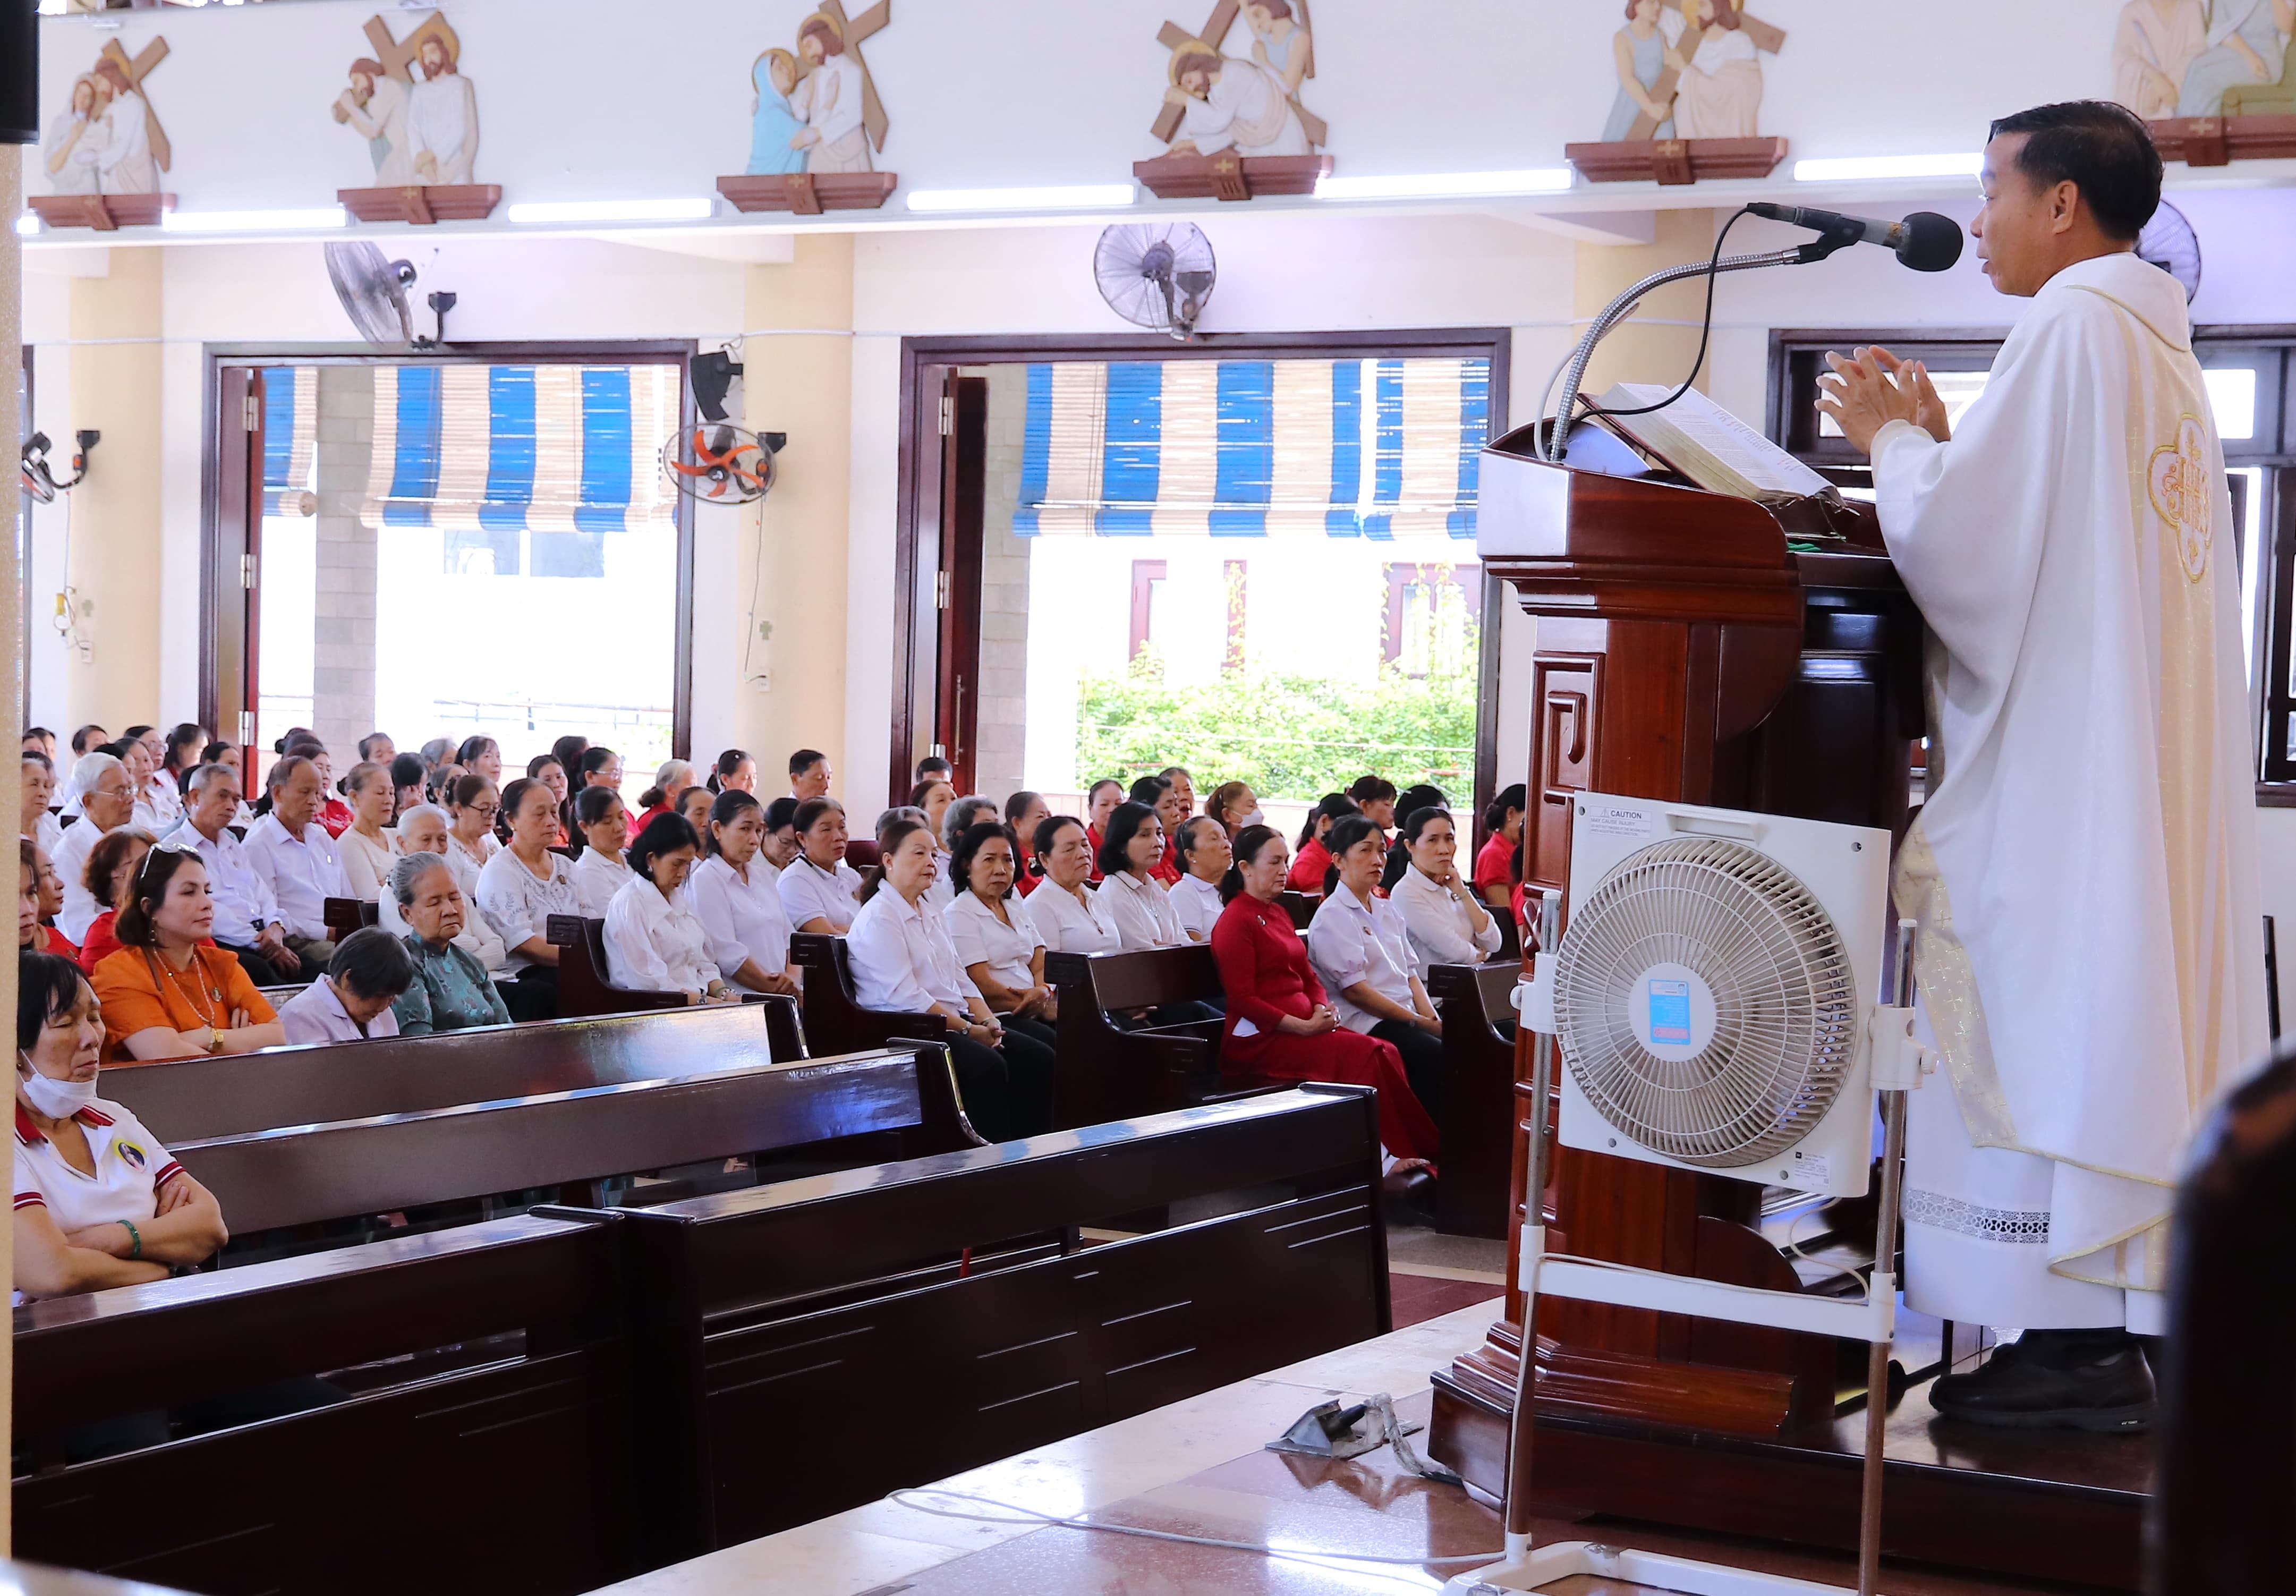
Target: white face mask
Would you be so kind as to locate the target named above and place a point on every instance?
(57, 1099)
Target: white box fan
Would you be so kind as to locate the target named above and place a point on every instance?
(1712, 989)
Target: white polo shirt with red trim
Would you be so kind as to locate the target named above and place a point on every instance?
(130, 1168)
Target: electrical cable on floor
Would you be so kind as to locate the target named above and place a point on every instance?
(1054, 1521)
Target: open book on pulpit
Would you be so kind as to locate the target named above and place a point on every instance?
(1701, 442)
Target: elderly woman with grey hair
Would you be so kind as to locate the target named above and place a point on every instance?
(451, 991)
(423, 829)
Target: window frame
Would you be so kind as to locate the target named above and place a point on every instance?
(1793, 357)
(221, 545)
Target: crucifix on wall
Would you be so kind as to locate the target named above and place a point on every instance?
(1234, 125)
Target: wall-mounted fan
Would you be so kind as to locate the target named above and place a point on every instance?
(374, 292)
(2170, 243)
(717, 463)
(1156, 274)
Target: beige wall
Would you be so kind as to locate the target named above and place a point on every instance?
(1654, 347)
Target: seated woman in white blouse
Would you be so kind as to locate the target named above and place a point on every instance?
(1132, 845)
(996, 941)
(519, 888)
(654, 942)
(604, 822)
(423, 829)
(1205, 853)
(778, 852)
(1363, 956)
(1447, 923)
(1069, 916)
(353, 1001)
(364, 849)
(734, 895)
(820, 892)
(903, 962)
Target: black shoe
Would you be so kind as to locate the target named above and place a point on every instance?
(1407, 1194)
(2055, 1380)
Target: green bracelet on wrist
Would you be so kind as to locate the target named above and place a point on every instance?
(135, 1238)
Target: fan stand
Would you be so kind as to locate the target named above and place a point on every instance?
(1899, 1063)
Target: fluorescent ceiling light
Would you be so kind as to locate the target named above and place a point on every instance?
(1849, 168)
(1079, 196)
(27, 226)
(616, 210)
(1533, 180)
(252, 221)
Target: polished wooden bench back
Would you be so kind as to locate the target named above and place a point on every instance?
(509, 1452)
(194, 1098)
(586, 986)
(834, 1023)
(300, 1175)
(344, 916)
(1103, 1072)
(1301, 907)
(836, 1309)
(1479, 1109)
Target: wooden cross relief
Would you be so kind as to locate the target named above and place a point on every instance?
(1172, 36)
(867, 25)
(393, 54)
(1767, 38)
(151, 55)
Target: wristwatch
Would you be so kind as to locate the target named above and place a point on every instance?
(215, 1041)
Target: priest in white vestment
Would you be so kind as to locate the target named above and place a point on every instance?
(2085, 871)
(442, 119)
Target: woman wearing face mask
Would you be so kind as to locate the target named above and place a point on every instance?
(604, 822)
(99, 1202)
(423, 829)
(170, 992)
(820, 892)
(732, 893)
(451, 991)
(655, 942)
(903, 962)
(1362, 955)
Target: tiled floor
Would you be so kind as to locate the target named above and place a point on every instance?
(1432, 1275)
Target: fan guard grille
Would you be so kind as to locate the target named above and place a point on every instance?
(1785, 998)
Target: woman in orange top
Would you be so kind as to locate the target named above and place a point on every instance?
(31, 936)
(169, 992)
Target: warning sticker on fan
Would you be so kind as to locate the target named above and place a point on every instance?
(1812, 1166)
(1614, 819)
(1669, 1013)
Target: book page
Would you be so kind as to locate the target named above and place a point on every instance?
(1748, 463)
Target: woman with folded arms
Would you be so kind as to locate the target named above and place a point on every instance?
(111, 867)
(1205, 854)
(99, 1201)
(1069, 916)
(31, 936)
(1140, 904)
(1446, 922)
(1308, 870)
(1024, 812)
(423, 829)
(519, 890)
(820, 892)
(654, 942)
(169, 991)
(364, 848)
(734, 895)
(450, 991)
(1279, 1021)
(599, 872)
(1100, 801)
(474, 805)
(1363, 957)
(903, 962)
(995, 941)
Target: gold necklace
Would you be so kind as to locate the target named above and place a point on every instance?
(214, 1022)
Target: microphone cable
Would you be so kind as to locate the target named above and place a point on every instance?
(1705, 335)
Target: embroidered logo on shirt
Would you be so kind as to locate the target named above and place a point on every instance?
(2178, 483)
(132, 1155)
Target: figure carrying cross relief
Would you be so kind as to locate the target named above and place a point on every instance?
(1217, 103)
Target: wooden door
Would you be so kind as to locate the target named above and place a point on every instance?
(965, 461)
(236, 567)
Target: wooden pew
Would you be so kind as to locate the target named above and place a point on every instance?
(192, 1099)
(834, 1023)
(1102, 1073)
(585, 985)
(825, 1312)
(311, 1175)
(344, 916)
(1479, 1113)
(1301, 907)
(503, 1467)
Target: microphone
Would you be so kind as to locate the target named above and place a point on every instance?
(1925, 241)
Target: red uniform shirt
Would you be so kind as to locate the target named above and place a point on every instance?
(1495, 865)
(1263, 967)
(1307, 870)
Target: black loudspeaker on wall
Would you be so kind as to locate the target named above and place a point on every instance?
(20, 71)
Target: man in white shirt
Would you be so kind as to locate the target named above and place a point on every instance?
(295, 858)
(246, 915)
(352, 1001)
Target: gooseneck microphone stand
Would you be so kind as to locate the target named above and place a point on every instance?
(1574, 370)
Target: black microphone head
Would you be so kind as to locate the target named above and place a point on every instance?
(1931, 243)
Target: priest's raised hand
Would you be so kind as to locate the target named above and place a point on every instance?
(1873, 388)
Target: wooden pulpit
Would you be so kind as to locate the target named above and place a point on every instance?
(1706, 649)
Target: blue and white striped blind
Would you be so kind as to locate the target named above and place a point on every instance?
(290, 427)
(1253, 449)
(487, 452)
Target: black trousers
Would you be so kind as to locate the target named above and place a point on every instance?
(1423, 1062)
(533, 995)
(1008, 1089)
(266, 969)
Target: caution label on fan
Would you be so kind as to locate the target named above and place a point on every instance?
(1812, 1166)
(1669, 1013)
(1615, 821)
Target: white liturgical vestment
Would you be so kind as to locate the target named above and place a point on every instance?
(2084, 870)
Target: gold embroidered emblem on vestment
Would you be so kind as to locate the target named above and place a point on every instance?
(2178, 483)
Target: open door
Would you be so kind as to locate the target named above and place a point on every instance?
(229, 699)
(965, 461)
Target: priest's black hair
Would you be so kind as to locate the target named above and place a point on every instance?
(2102, 149)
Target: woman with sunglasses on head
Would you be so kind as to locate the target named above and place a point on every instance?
(170, 992)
